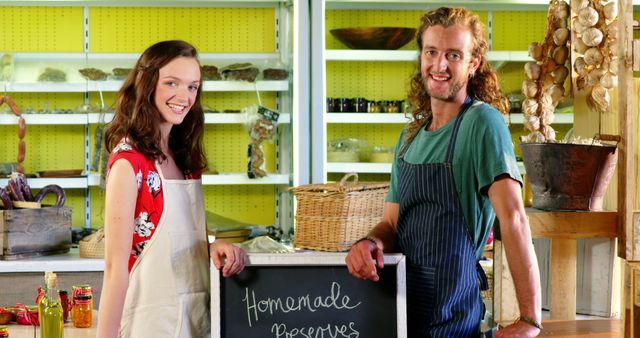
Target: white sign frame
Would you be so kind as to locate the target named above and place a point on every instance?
(315, 258)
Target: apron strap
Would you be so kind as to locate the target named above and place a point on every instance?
(454, 134)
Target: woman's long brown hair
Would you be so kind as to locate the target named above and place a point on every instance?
(482, 86)
(137, 118)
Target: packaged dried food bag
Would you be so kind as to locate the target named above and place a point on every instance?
(261, 124)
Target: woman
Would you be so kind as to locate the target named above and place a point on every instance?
(156, 279)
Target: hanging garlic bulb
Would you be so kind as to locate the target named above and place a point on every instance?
(593, 56)
(560, 55)
(592, 37)
(532, 70)
(610, 10)
(579, 65)
(529, 89)
(556, 93)
(560, 36)
(535, 51)
(588, 17)
(608, 80)
(560, 74)
(530, 107)
(532, 122)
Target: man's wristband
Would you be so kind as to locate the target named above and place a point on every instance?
(529, 321)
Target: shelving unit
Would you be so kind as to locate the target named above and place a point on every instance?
(331, 58)
(100, 46)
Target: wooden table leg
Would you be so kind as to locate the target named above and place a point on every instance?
(562, 279)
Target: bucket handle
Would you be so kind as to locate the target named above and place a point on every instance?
(608, 137)
(346, 177)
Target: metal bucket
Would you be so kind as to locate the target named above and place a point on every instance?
(568, 176)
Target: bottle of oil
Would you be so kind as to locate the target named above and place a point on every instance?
(52, 314)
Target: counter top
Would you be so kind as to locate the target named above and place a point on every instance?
(24, 331)
(69, 262)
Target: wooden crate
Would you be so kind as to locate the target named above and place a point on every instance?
(34, 232)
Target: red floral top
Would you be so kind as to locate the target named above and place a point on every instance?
(150, 200)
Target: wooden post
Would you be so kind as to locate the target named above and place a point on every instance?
(626, 191)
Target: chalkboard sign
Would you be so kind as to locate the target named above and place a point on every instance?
(308, 295)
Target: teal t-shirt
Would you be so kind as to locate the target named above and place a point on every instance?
(483, 151)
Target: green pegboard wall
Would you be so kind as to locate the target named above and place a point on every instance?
(371, 80)
(209, 29)
(381, 135)
(49, 147)
(220, 101)
(37, 101)
(97, 207)
(336, 177)
(41, 29)
(253, 204)
(226, 148)
(514, 30)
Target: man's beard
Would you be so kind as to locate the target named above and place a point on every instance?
(450, 95)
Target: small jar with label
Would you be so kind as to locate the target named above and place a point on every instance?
(4, 332)
(82, 311)
(373, 107)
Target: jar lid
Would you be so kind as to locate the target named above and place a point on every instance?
(62, 292)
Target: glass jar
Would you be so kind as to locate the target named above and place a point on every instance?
(82, 311)
(64, 301)
(360, 105)
(331, 106)
(393, 107)
(4, 332)
(373, 107)
(84, 289)
(344, 105)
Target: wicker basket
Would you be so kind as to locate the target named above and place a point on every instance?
(92, 246)
(331, 217)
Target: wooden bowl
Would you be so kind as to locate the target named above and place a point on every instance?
(374, 37)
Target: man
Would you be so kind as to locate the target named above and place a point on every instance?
(454, 171)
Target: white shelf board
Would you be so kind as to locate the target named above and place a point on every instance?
(95, 117)
(235, 118)
(412, 55)
(370, 55)
(397, 118)
(48, 119)
(242, 179)
(224, 179)
(209, 118)
(44, 87)
(564, 118)
(69, 262)
(146, 3)
(114, 86)
(65, 183)
(237, 86)
(359, 167)
(504, 5)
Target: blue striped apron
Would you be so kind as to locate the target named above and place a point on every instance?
(443, 294)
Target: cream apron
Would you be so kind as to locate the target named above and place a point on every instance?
(168, 293)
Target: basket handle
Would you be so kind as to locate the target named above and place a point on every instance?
(346, 177)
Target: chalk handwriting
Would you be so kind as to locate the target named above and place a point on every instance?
(256, 306)
(329, 331)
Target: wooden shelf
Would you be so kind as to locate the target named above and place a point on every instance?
(572, 224)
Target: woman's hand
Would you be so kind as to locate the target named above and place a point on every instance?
(227, 257)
